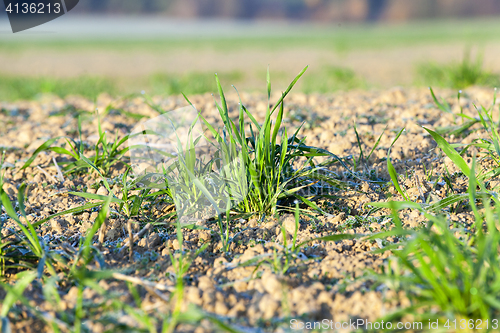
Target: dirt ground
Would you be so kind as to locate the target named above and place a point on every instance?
(326, 283)
(382, 68)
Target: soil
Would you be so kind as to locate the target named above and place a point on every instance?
(382, 68)
(326, 283)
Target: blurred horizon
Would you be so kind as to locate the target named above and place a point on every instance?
(128, 46)
(307, 10)
(321, 11)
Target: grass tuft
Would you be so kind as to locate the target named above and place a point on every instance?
(457, 75)
(447, 273)
(14, 88)
(332, 79)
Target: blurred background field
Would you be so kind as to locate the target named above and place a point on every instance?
(169, 47)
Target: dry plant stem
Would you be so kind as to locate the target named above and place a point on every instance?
(101, 232)
(60, 324)
(156, 293)
(59, 173)
(137, 236)
(47, 174)
(131, 241)
(141, 282)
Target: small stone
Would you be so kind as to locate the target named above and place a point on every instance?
(271, 284)
(143, 242)
(153, 240)
(192, 295)
(85, 227)
(314, 273)
(268, 306)
(37, 179)
(135, 225)
(70, 219)
(289, 223)
(338, 218)
(238, 310)
(220, 262)
(240, 286)
(221, 308)
(209, 299)
(112, 234)
(253, 223)
(58, 225)
(269, 225)
(102, 191)
(204, 235)
(71, 297)
(205, 283)
(281, 239)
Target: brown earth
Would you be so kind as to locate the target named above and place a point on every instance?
(383, 68)
(325, 284)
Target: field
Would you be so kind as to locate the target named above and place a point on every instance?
(350, 197)
(178, 59)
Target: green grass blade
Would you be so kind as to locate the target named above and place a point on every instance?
(222, 98)
(276, 129)
(392, 171)
(9, 209)
(361, 157)
(289, 88)
(448, 201)
(450, 152)
(69, 211)
(20, 201)
(43, 147)
(331, 238)
(445, 107)
(24, 280)
(92, 165)
(6, 325)
(252, 118)
(61, 151)
(101, 217)
(458, 129)
(376, 144)
(95, 196)
(268, 85)
(309, 203)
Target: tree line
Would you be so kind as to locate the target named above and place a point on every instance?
(369, 10)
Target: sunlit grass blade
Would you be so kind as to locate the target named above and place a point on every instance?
(457, 129)
(78, 209)
(288, 89)
(92, 166)
(43, 147)
(15, 292)
(95, 196)
(392, 171)
(101, 217)
(443, 106)
(450, 152)
(375, 146)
